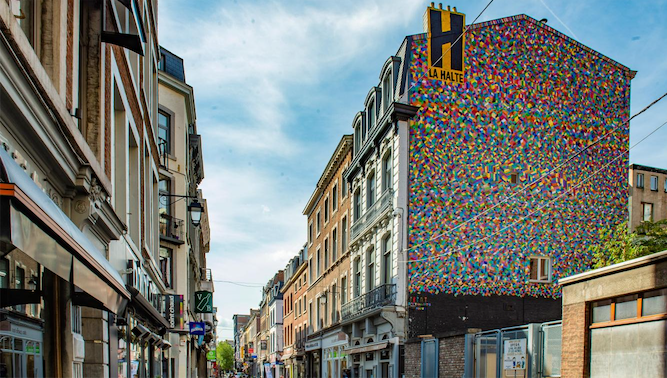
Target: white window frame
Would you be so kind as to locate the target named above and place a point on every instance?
(539, 267)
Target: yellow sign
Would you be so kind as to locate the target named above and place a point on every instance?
(446, 45)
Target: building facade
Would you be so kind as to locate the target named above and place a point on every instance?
(328, 217)
(239, 322)
(493, 222)
(294, 323)
(648, 194)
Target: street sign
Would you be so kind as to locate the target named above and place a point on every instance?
(197, 328)
(203, 302)
(210, 355)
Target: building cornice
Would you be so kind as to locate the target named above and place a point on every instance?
(344, 146)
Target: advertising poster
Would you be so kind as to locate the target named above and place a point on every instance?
(514, 354)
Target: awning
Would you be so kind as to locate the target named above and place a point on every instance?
(33, 223)
(286, 356)
(367, 348)
(146, 309)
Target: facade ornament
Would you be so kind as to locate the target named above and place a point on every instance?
(97, 194)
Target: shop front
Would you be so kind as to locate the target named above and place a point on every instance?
(314, 358)
(334, 357)
(49, 272)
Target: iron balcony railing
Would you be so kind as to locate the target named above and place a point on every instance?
(382, 204)
(380, 296)
(172, 228)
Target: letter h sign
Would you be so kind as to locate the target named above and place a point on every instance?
(444, 29)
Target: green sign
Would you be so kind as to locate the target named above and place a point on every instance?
(203, 302)
(210, 355)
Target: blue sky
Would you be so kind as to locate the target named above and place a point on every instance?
(278, 83)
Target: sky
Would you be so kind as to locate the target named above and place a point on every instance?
(277, 84)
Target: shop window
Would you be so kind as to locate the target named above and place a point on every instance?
(540, 269)
(4, 273)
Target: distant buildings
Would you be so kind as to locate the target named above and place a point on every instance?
(648, 194)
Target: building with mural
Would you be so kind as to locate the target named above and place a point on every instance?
(507, 188)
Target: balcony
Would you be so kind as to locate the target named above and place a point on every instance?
(380, 296)
(372, 213)
(171, 229)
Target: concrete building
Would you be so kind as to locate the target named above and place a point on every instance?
(182, 245)
(615, 320)
(328, 214)
(648, 194)
(78, 127)
(294, 319)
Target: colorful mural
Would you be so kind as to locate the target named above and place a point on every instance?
(531, 98)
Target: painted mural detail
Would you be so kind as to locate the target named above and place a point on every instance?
(531, 98)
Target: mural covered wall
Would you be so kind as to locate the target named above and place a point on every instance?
(531, 98)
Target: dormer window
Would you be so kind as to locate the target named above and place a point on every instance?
(357, 137)
(386, 91)
(371, 115)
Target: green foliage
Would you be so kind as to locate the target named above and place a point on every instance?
(224, 354)
(620, 245)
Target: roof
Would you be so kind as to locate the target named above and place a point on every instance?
(616, 268)
(548, 28)
(638, 167)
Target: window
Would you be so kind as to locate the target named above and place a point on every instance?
(343, 290)
(654, 183)
(164, 190)
(429, 361)
(343, 188)
(326, 254)
(334, 197)
(310, 269)
(318, 223)
(386, 91)
(647, 209)
(310, 233)
(75, 318)
(166, 267)
(370, 191)
(357, 205)
(357, 277)
(4, 273)
(319, 263)
(334, 309)
(370, 269)
(343, 239)
(326, 210)
(629, 308)
(371, 115)
(386, 260)
(357, 137)
(363, 133)
(640, 180)
(540, 269)
(334, 245)
(514, 178)
(164, 132)
(24, 12)
(386, 172)
(665, 186)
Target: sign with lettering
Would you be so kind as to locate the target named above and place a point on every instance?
(197, 328)
(203, 302)
(514, 354)
(173, 311)
(446, 45)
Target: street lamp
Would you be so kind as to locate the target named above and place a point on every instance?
(195, 208)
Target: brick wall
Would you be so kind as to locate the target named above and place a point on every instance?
(451, 359)
(575, 341)
(412, 360)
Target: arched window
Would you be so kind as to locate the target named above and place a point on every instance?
(370, 269)
(386, 172)
(386, 91)
(370, 190)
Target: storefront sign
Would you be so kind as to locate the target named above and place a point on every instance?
(203, 302)
(514, 354)
(173, 311)
(313, 345)
(210, 355)
(197, 328)
(445, 57)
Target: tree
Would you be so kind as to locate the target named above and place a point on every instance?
(620, 245)
(224, 354)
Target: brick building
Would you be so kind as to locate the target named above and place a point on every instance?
(648, 194)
